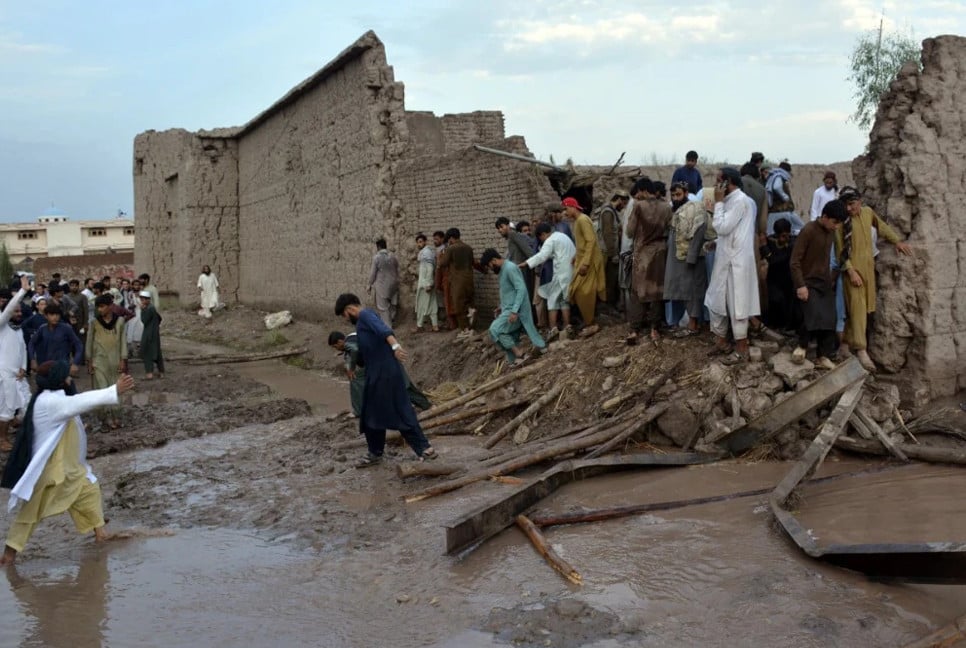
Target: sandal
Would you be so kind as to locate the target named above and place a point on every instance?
(685, 333)
(733, 359)
(429, 454)
(369, 460)
(631, 340)
(719, 351)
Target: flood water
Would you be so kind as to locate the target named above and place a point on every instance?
(718, 574)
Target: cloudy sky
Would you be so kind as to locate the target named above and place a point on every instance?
(585, 79)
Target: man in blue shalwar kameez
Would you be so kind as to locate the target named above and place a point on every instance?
(515, 315)
(385, 400)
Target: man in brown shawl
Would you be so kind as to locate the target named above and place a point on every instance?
(647, 226)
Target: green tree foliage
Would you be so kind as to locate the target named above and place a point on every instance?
(875, 62)
(6, 268)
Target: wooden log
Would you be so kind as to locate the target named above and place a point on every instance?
(918, 452)
(648, 389)
(426, 469)
(632, 428)
(225, 358)
(947, 636)
(497, 457)
(821, 445)
(477, 426)
(821, 390)
(869, 423)
(860, 428)
(515, 422)
(544, 549)
(471, 395)
(475, 412)
(563, 447)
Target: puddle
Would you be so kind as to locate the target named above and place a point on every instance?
(324, 394)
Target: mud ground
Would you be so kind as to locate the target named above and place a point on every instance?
(212, 448)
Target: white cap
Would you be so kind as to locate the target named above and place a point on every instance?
(144, 293)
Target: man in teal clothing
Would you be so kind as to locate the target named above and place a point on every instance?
(514, 314)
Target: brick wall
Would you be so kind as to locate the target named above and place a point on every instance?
(120, 264)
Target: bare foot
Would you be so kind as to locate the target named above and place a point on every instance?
(149, 376)
(8, 557)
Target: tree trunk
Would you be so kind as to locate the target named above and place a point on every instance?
(426, 469)
(475, 412)
(544, 549)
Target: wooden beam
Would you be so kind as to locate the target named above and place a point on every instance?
(918, 452)
(869, 423)
(790, 410)
(543, 548)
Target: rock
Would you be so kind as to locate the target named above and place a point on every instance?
(608, 384)
(754, 354)
(721, 427)
(558, 345)
(748, 376)
(666, 389)
(677, 423)
(715, 374)
(402, 598)
(522, 434)
(879, 410)
(614, 361)
(767, 346)
(771, 385)
(753, 402)
(802, 384)
(889, 393)
(783, 367)
(793, 451)
(787, 435)
(782, 396)
(654, 437)
(278, 320)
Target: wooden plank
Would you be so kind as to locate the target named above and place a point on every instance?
(822, 443)
(488, 520)
(873, 427)
(790, 410)
(543, 548)
(917, 452)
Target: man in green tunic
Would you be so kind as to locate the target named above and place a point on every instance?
(151, 337)
(106, 351)
(355, 371)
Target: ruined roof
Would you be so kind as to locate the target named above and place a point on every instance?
(365, 42)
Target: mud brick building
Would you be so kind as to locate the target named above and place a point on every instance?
(298, 195)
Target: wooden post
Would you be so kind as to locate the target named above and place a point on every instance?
(544, 549)
(475, 412)
(869, 423)
(633, 427)
(479, 391)
(534, 407)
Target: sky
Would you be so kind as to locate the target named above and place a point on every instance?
(580, 79)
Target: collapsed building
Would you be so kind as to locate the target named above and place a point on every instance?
(299, 194)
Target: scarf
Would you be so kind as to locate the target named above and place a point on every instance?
(108, 325)
(846, 242)
(50, 376)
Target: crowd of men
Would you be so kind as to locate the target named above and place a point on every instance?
(736, 258)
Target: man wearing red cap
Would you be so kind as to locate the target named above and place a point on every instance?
(589, 282)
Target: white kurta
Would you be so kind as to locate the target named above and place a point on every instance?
(208, 283)
(734, 281)
(52, 411)
(820, 198)
(561, 250)
(13, 359)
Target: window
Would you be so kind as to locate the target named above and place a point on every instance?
(24, 236)
(128, 231)
(97, 231)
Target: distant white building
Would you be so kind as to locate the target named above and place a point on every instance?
(54, 234)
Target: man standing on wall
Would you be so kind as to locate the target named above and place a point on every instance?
(689, 173)
(457, 260)
(855, 255)
(588, 284)
(426, 305)
(384, 277)
(385, 401)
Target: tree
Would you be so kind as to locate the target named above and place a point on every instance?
(875, 63)
(6, 268)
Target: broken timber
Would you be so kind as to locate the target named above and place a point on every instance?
(490, 519)
(922, 562)
(790, 410)
(544, 549)
(930, 454)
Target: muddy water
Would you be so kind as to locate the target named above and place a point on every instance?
(717, 574)
(324, 394)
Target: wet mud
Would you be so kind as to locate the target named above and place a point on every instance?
(279, 541)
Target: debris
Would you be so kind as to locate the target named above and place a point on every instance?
(791, 409)
(787, 370)
(553, 393)
(614, 361)
(869, 424)
(426, 469)
(608, 384)
(544, 549)
(278, 320)
(522, 434)
(479, 391)
(920, 452)
(754, 354)
(634, 425)
(476, 412)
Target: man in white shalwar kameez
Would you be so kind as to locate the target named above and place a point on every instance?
(48, 470)
(14, 389)
(557, 247)
(208, 285)
(733, 289)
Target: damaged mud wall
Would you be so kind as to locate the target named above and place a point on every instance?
(315, 183)
(186, 203)
(469, 190)
(914, 176)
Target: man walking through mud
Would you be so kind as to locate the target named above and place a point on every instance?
(385, 401)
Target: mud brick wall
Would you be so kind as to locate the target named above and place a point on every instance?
(315, 185)
(914, 176)
(81, 266)
(186, 203)
(468, 190)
